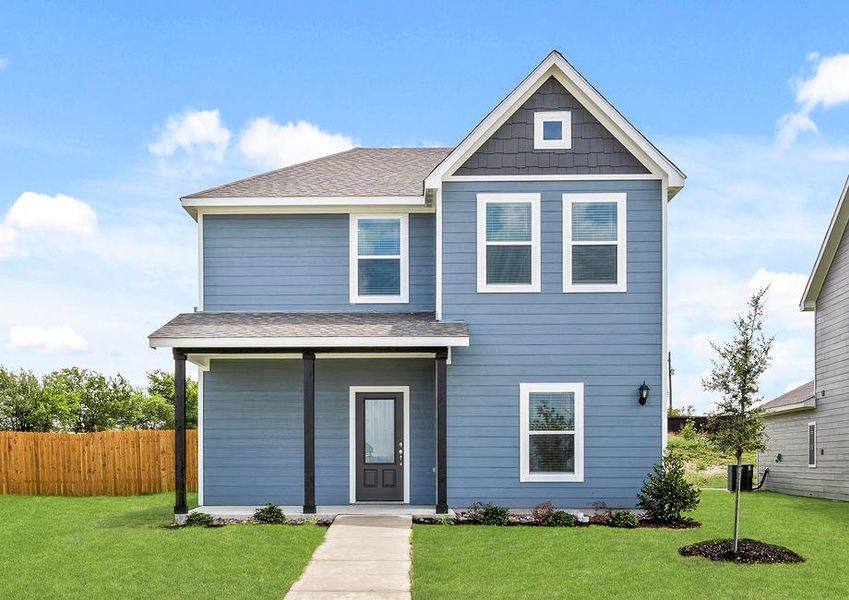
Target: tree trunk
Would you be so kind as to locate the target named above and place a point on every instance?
(739, 478)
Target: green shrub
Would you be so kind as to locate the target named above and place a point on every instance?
(688, 432)
(269, 514)
(488, 514)
(199, 519)
(623, 518)
(666, 494)
(546, 514)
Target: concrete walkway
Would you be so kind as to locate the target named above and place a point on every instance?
(361, 557)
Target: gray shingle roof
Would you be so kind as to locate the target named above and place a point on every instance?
(305, 325)
(804, 394)
(355, 172)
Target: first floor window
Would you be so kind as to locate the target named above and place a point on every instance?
(552, 431)
(508, 242)
(812, 444)
(594, 243)
(379, 259)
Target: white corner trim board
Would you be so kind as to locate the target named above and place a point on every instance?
(352, 435)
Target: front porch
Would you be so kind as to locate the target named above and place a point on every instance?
(283, 422)
(243, 513)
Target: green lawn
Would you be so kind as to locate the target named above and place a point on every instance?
(118, 548)
(705, 465)
(600, 562)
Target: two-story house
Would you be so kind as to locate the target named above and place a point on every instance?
(437, 326)
(808, 427)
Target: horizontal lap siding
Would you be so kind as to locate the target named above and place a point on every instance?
(299, 263)
(253, 428)
(609, 341)
(788, 434)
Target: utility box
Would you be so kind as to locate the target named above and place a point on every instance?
(745, 479)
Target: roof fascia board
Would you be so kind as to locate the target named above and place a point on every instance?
(304, 201)
(808, 404)
(554, 64)
(828, 249)
(306, 342)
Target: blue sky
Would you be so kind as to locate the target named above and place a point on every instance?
(108, 115)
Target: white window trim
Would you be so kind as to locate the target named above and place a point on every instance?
(353, 390)
(621, 284)
(534, 285)
(811, 465)
(525, 390)
(565, 118)
(353, 271)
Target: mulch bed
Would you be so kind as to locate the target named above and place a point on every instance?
(748, 552)
(526, 520)
(688, 524)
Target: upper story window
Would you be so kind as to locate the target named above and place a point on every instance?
(594, 243)
(508, 242)
(812, 444)
(379, 259)
(552, 430)
(553, 130)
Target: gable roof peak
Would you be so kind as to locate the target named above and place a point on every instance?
(828, 249)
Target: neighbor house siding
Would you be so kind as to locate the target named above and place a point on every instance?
(299, 263)
(253, 428)
(510, 150)
(788, 433)
(611, 342)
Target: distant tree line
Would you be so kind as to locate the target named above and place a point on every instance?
(79, 400)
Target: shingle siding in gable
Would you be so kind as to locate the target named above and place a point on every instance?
(510, 150)
(788, 433)
(300, 263)
(609, 341)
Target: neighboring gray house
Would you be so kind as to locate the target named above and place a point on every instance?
(436, 326)
(808, 428)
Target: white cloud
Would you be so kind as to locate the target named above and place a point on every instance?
(46, 339)
(270, 144)
(199, 134)
(4, 62)
(827, 86)
(8, 239)
(51, 214)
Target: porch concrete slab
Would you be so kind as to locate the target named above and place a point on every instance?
(244, 513)
(362, 556)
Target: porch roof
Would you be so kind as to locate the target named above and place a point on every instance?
(308, 330)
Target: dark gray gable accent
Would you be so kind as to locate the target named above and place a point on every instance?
(510, 150)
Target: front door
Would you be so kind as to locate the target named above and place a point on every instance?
(380, 446)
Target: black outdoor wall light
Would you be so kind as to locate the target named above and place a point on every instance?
(644, 393)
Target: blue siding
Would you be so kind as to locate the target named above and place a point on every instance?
(609, 341)
(299, 263)
(253, 428)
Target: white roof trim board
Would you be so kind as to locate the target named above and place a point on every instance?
(557, 66)
(827, 251)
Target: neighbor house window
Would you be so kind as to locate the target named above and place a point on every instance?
(379, 259)
(594, 243)
(552, 431)
(553, 130)
(812, 444)
(508, 242)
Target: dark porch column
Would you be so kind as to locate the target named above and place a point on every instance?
(180, 507)
(441, 433)
(309, 432)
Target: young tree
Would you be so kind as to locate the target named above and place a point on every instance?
(23, 404)
(736, 424)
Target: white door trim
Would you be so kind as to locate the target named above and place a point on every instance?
(353, 390)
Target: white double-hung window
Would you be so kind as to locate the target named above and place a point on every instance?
(552, 431)
(508, 242)
(379, 259)
(594, 243)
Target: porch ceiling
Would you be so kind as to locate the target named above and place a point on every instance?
(308, 330)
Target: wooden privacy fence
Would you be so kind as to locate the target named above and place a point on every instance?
(111, 463)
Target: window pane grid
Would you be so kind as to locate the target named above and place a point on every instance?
(508, 226)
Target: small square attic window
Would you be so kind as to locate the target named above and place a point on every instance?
(553, 130)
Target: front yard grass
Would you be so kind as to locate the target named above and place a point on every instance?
(107, 547)
(462, 561)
